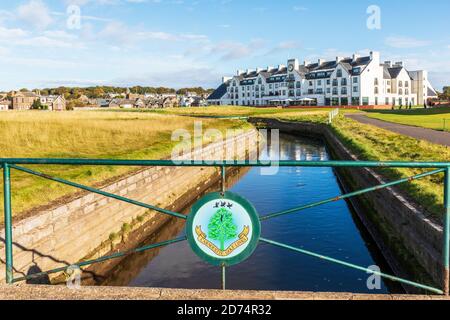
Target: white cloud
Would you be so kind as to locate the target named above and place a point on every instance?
(299, 8)
(230, 50)
(406, 42)
(12, 34)
(35, 13)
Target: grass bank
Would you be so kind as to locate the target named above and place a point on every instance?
(436, 118)
(85, 134)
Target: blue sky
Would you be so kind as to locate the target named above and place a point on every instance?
(194, 42)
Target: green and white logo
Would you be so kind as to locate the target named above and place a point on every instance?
(223, 229)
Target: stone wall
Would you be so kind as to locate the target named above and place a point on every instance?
(395, 222)
(66, 233)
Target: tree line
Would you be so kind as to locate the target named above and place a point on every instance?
(72, 93)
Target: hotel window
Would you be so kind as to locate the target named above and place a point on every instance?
(355, 80)
(365, 101)
(376, 90)
(343, 82)
(406, 91)
(299, 92)
(355, 89)
(328, 90)
(319, 82)
(335, 101)
(311, 83)
(376, 81)
(344, 101)
(298, 84)
(389, 90)
(389, 82)
(339, 73)
(335, 91)
(400, 91)
(344, 90)
(400, 83)
(319, 91)
(406, 84)
(270, 86)
(387, 101)
(328, 82)
(259, 81)
(335, 82)
(310, 91)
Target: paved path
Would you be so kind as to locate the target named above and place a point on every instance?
(433, 136)
(32, 292)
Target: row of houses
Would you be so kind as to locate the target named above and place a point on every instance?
(150, 101)
(25, 100)
(356, 80)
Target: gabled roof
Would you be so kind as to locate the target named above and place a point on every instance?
(431, 92)
(394, 72)
(219, 92)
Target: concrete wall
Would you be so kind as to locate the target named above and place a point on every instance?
(396, 223)
(67, 233)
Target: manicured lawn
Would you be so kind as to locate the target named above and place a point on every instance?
(427, 118)
(85, 134)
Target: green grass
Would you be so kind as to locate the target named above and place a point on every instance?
(85, 134)
(426, 118)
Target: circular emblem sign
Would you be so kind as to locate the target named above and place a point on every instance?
(223, 229)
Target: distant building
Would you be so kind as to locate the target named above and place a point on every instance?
(353, 80)
(53, 103)
(23, 100)
(5, 105)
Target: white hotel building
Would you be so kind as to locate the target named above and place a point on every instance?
(341, 82)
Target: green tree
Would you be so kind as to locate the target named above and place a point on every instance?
(37, 105)
(221, 227)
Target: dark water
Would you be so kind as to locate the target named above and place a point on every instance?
(329, 229)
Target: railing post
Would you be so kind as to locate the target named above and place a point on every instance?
(223, 173)
(223, 276)
(446, 232)
(8, 223)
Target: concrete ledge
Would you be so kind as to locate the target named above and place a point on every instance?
(39, 292)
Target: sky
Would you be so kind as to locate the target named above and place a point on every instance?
(179, 43)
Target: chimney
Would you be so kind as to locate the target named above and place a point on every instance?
(281, 66)
(339, 59)
(355, 57)
(388, 64)
(269, 68)
(306, 63)
(239, 72)
(320, 61)
(399, 64)
(258, 70)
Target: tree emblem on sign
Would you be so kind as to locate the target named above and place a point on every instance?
(221, 227)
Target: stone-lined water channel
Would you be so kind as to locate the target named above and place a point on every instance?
(330, 229)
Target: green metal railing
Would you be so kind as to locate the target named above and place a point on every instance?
(438, 167)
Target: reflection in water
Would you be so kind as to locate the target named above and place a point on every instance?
(328, 229)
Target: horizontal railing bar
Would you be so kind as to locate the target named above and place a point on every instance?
(351, 265)
(103, 193)
(230, 163)
(351, 194)
(102, 259)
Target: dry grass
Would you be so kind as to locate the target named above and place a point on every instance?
(85, 134)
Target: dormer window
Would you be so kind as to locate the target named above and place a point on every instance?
(339, 73)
